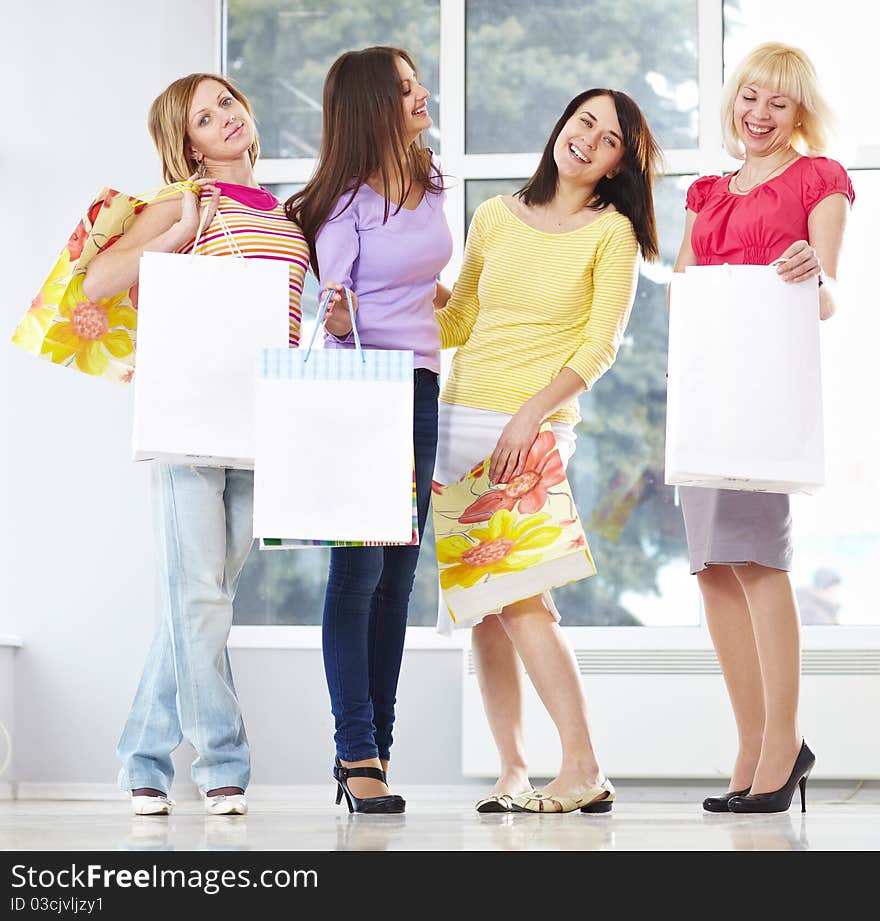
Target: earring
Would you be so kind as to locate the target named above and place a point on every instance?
(202, 170)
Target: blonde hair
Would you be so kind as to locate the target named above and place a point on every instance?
(168, 120)
(787, 70)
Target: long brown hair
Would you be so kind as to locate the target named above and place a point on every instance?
(168, 120)
(363, 130)
(631, 191)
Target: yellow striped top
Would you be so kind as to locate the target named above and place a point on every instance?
(259, 226)
(528, 304)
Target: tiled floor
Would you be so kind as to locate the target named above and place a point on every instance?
(303, 818)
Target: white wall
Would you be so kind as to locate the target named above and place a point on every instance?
(7, 716)
(78, 80)
(76, 539)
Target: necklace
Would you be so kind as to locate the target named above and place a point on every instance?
(764, 178)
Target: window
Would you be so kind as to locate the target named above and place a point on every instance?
(525, 60)
(500, 73)
(279, 53)
(836, 532)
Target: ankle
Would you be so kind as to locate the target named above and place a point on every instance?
(364, 762)
(585, 766)
(225, 791)
(147, 791)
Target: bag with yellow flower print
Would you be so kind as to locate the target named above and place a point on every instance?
(62, 325)
(501, 543)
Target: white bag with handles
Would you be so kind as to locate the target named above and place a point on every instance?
(334, 445)
(202, 321)
(744, 404)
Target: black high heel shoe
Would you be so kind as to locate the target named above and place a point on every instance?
(375, 805)
(779, 800)
(719, 803)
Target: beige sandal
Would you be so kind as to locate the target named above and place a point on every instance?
(500, 802)
(598, 799)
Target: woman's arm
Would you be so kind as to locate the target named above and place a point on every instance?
(615, 276)
(686, 255)
(520, 433)
(825, 226)
(457, 314)
(441, 296)
(163, 226)
(337, 247)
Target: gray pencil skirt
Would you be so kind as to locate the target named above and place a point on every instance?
(726, 526)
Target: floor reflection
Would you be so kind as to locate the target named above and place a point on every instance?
(779, 831)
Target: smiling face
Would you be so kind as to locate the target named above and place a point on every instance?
(219, 127)
(764, 119)
(590, 145)
(414, 99)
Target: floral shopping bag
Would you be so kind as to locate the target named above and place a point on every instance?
(62, 325)
(500, 543)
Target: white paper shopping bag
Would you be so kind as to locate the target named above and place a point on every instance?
(202, 321)
(334, 447)
(744, 405)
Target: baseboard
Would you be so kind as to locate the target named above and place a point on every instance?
(68, 791)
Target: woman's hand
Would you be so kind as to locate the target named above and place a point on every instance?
(190, 212)
(337, 320)
(798, 263)
(441, 296)
(516, 439)
(827, 307)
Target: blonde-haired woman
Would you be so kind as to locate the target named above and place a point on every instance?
(204, 131)
(785, 202)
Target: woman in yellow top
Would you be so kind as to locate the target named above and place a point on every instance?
(537, 315)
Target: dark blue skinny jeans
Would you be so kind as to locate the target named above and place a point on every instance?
(365, 608)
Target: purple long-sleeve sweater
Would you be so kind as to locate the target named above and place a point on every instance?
(392, 268)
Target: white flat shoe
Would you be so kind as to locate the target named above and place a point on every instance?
(234, 804)
(151, 805)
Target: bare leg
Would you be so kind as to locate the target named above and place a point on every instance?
(552, 667)
(730, 626)
(500, 675)
(777, 636)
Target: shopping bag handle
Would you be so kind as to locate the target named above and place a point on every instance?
(322, 309)
(230, 239)
(176, 188)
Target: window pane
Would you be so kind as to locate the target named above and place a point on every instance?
(839, 44)
(279, 51)
(635, 530)
(526, 60)
(837, 531)
(284, 587)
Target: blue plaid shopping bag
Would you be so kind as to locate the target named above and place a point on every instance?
(334, 451)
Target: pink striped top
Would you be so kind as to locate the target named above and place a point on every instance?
(261, 229)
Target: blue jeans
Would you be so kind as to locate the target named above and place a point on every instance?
(365, 608)
(205, 531)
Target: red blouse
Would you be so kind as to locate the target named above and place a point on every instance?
(756, 228)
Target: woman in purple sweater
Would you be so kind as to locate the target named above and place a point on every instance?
(373, 217)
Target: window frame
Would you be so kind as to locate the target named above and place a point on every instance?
(708, 157)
